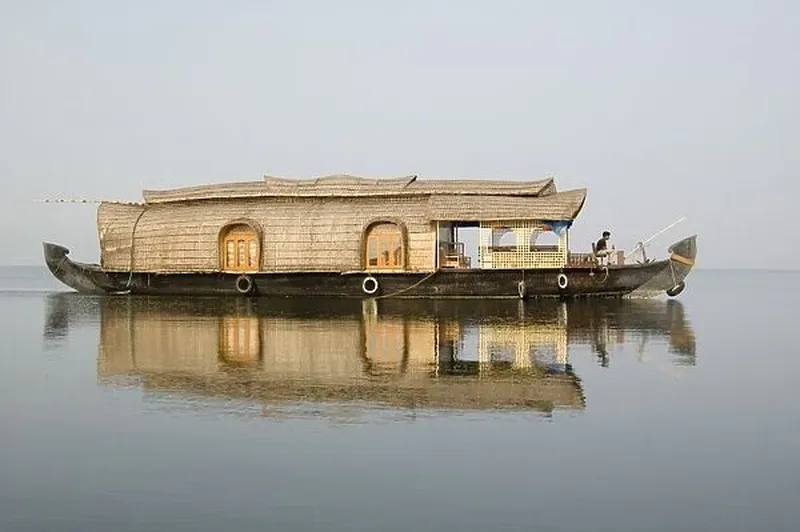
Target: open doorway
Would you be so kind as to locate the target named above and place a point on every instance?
(458, 245)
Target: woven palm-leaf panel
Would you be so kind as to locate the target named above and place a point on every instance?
(298, 234)
(115, 224)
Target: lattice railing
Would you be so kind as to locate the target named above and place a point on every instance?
(522, 254)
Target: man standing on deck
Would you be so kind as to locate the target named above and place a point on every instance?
(602, 247)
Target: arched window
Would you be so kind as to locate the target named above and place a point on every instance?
(240, 248)
(384, 247)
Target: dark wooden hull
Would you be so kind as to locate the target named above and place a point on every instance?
(611, 281)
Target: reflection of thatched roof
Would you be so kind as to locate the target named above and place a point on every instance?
(351, 186)
(541, 393)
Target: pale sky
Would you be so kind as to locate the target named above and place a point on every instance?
(661, 109)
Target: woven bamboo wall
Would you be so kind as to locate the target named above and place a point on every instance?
(115, 224)
(299, 234)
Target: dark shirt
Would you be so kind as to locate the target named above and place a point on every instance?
(601, 244)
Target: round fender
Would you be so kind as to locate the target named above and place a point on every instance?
(369, 285)
(245, 284)
(677, 289)
(562, 281)
(522, 289)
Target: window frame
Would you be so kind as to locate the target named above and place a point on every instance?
(240, 243)
(384, 246)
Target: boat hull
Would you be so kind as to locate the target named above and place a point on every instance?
(611, 281)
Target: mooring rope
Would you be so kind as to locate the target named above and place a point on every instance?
(672, 271)
(605, 268)
(133, 240)
(60, 264)
(406, 289)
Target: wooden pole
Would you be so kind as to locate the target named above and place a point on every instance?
(641, 244)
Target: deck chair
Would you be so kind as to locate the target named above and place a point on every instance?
(595, 258)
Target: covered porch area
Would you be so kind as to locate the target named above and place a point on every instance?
(502, 244)
(504, 232)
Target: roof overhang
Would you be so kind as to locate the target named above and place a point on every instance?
(562, 206)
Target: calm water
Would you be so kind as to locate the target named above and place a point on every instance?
(167, 414)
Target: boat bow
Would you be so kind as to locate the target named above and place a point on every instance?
(684, 251)
(85, 278)
(672, 279)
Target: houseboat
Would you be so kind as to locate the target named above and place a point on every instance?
(347, 236)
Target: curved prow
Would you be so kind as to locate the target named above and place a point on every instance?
(682, 255)
(54, 254)
(672, 279)
(684, 251)
(85, 278)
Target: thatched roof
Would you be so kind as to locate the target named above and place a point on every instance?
(352, 186)
(559, 206)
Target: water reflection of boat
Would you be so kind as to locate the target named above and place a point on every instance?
(438, 354)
